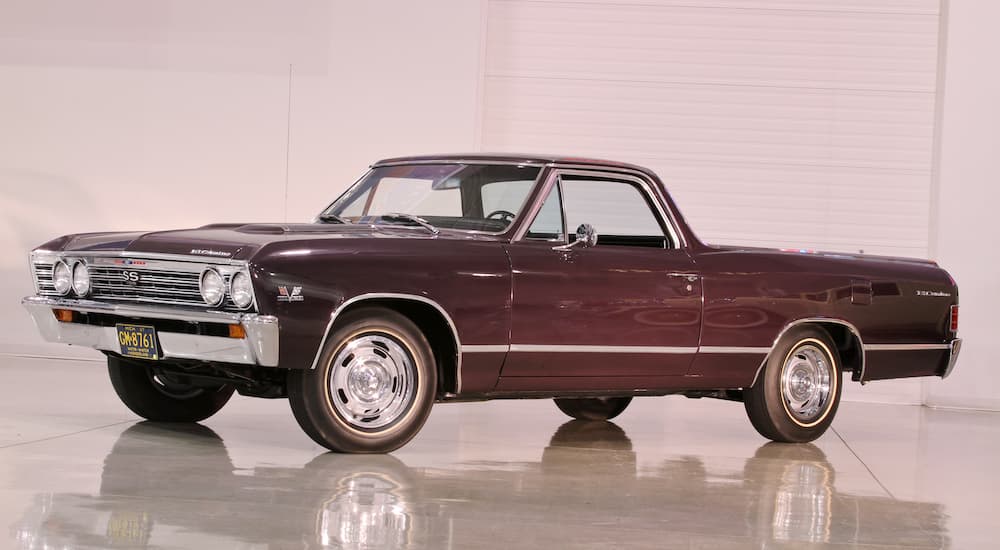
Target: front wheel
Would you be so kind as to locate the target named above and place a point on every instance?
(163, 396)
(797, 393)
(593, 408)
(373, 387)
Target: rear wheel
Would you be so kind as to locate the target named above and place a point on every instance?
(163, 396)
(797, 393)
(373, 387)
(593, 408)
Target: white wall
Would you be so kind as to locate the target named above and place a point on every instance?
(966, 240)
(120, 115)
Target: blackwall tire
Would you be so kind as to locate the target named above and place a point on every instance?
(593, 408)
(154, 397)
(796, 395)
(372, 388)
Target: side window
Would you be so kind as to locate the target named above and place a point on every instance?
(548, 223)
(618, 210)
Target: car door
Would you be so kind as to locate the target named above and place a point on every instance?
(629, 306)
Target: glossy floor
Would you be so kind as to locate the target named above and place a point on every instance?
(77, 470)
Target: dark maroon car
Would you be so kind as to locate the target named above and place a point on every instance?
(474, 277)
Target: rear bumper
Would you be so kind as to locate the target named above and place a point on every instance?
(953, 351)
(258, 347)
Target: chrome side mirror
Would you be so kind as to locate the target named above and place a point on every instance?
(586, 237)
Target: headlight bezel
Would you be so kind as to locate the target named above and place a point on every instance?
(233, 280)
(222, 288)
(73, 278)
(69, 277)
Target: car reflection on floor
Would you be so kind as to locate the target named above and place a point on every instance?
(165, 485)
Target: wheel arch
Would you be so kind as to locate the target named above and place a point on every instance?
(846, 336)
(429, 316)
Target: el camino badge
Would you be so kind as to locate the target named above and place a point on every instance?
(294, 296)
(933, 293)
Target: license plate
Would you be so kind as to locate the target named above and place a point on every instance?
(138, 341)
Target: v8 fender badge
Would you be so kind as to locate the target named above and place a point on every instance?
(933, 293)
(295, 295)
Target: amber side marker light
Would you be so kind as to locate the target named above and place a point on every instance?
(237, 331)
(954, 318)
(64, 315)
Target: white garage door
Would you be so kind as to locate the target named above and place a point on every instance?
(788, 123)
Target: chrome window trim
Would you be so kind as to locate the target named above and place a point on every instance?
(513, 222)
(659, 194)
(652, 196)
(494, 162)
(395, 296)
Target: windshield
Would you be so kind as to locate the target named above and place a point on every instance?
(472, 197)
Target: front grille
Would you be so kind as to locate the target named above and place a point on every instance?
(162, 287)
(43, 276)
(134, 280)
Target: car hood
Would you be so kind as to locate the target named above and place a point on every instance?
(241, 240)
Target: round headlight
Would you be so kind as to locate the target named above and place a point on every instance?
(62, 279)
(213, 287)
(240, 290)
(81, 279)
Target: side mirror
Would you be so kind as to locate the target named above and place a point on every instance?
(586, 237)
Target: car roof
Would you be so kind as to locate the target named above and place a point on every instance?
(511, 158)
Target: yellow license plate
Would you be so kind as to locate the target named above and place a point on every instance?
(138, 341)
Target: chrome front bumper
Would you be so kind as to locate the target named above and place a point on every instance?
(953, 351)
(259, 347)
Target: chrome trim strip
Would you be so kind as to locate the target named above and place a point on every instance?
(412, 297)
(208, 260)
(527, 162)
(500, 348)
(260, 347)
(555, 348)
(956, 348)
(733, 349)
(854, 330)
(906, 347)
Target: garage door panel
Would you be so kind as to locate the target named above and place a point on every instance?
(736, 46)
(773, 123)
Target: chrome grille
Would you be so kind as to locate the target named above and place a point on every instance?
(164, 282)
(43, 278)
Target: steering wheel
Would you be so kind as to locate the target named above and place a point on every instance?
(502, 215)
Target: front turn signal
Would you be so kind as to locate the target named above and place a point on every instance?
(64, 315)
(237, 331)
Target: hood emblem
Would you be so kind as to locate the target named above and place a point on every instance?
(294, 296)
(210, 252)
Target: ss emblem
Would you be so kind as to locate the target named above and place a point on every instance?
(131, 277)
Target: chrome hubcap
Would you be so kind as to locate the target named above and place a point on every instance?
(806, 381)
(373, 382)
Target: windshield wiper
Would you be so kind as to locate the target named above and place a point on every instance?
(399, 216)
(328, 218)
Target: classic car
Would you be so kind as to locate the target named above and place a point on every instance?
(472, 277)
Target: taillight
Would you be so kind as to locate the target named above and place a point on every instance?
(954, 318)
